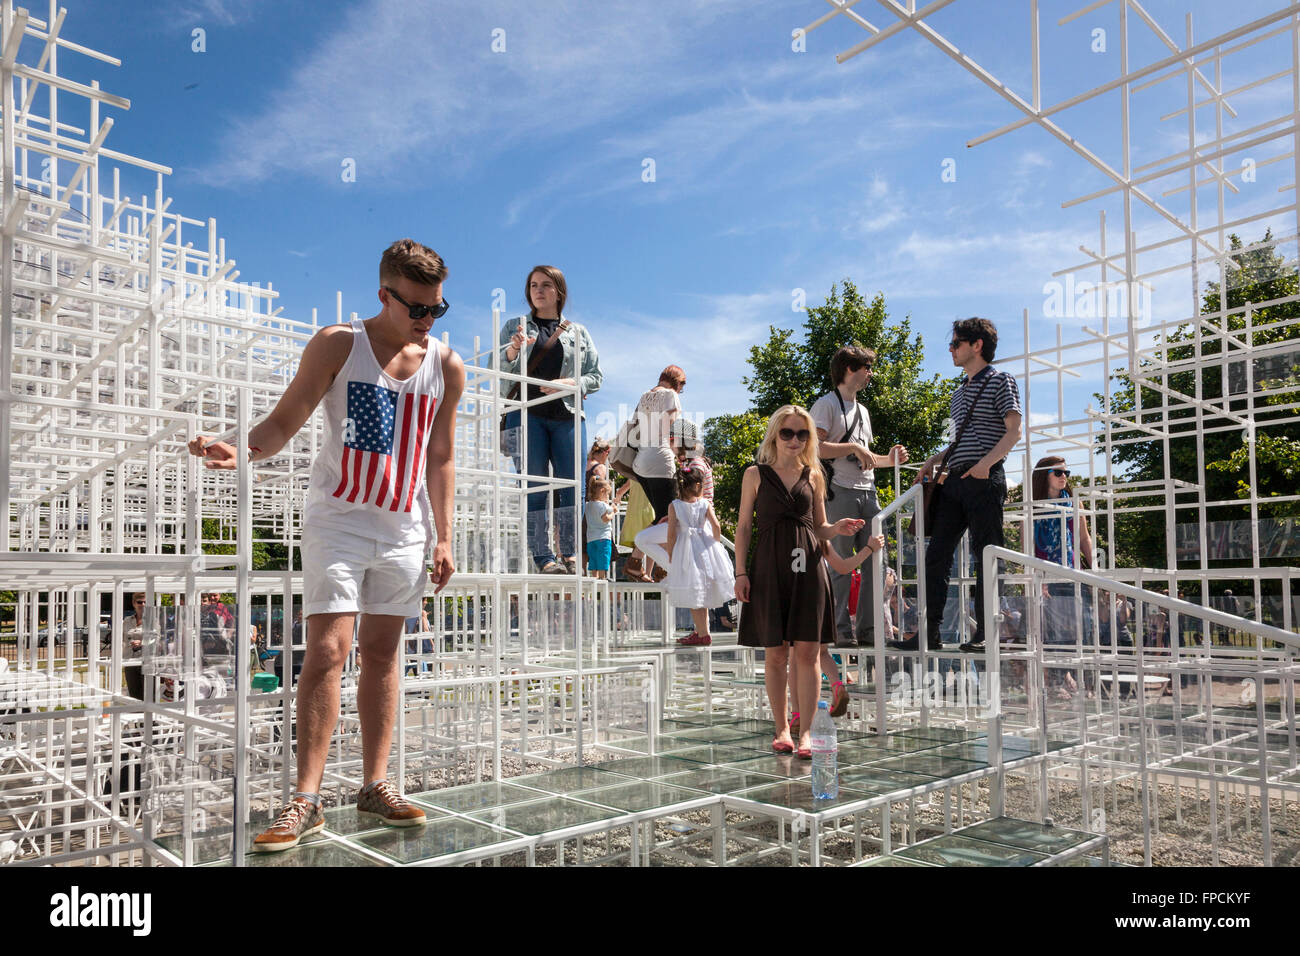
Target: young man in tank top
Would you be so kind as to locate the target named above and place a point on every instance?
(380, 487)
(843, 433)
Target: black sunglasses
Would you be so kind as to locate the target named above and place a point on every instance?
(867, 365)
(1061, 472)
(420, 311)
(956, 342)
(787, 433)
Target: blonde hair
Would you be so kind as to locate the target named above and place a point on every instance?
(807, 457)
(596, 484)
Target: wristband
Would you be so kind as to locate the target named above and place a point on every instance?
(742, 574)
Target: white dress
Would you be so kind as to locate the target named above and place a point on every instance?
(700, 573)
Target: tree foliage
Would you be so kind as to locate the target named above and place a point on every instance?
(905, 406)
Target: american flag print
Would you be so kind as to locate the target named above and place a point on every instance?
(384, 446)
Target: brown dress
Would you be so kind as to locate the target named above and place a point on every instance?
(789, 595)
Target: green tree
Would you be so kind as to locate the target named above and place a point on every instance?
(1261, 278)
(906, 407)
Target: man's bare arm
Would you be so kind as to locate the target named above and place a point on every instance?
(322, 359)
(440, 466)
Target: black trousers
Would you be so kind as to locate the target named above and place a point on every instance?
(661, 492)
(973, 504)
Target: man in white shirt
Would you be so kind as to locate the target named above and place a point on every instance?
(843, 433)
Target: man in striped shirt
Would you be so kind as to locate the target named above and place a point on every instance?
(971, 496)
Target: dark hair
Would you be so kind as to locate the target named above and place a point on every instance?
(1038, 485)
(407, 259)
(850, 357)
(673, 377)
(689, 477)
(978, 330)
(561, 288)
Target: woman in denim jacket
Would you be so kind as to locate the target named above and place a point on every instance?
(551, 430)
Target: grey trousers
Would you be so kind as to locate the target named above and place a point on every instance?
(851, 503)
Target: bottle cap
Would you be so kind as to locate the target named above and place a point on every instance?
(821, 705)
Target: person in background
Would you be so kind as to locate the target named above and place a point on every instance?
(1058, 525)
(843, 435)
(132, 644)
(598, 518)
(552, 435)
(699, 575)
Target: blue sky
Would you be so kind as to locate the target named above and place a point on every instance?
(775, 170)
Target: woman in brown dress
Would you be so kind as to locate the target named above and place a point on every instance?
(788, 594)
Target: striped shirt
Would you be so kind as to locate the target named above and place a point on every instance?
(987, 425)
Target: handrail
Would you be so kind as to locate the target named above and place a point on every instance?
(913, 493)
(1184, 608)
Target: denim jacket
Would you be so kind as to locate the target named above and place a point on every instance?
(570, 338)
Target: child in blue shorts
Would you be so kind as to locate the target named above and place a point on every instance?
(600, 531)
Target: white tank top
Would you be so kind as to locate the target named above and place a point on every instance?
(368, 477)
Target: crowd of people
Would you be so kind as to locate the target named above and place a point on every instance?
(382, 487)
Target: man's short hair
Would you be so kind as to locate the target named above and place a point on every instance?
(850, 358)
(407, 259)
(978, 330)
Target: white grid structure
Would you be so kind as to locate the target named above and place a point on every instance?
(1165, 237)
(124, 331)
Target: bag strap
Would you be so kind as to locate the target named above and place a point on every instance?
(966, 421)
(537, 355)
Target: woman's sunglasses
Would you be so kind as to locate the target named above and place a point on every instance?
(1061, 472)
(420, 311)
(788, 433)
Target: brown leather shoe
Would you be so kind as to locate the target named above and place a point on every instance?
(658, 574)
(381, 801)
(298, 818)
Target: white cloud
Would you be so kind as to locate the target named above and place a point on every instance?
(416, 79)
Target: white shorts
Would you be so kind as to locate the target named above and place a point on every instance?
(344, 572)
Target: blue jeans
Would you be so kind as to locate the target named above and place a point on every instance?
(550, 451)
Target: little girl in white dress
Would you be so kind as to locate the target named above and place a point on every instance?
(700, 574)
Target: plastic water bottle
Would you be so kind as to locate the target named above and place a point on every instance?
(825, 755)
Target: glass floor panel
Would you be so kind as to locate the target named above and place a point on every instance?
(637, 796)
(853, 753)
(798, 795)
(1027, 835)
(213, 845)
(877, 780)
(945, 734)
(544, 816)
(345, 821)
(646, 767)
(438, 837)
(324, 853)
(701, 720)
(929, 764)
(890, 860)
(721, 734)
(720, 753)
(474, 796)
(639, 744)
(753, 726)
(956, 850)
(718, 779)
(1013, 748)
(903, 745)
(776, 765)
(568, 779)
